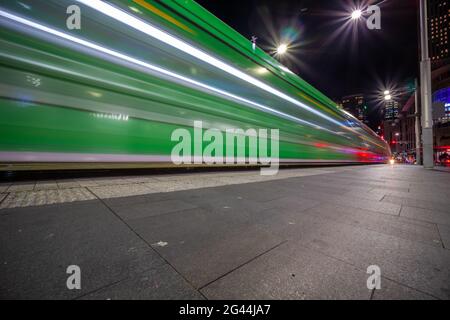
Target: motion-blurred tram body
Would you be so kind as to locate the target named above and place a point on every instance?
(113, 91)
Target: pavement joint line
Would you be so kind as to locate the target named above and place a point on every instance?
(400, 211)
(411, 288)
(440, 237)
(353, 208)
(373, 230)
(415, 206)
(7, 195)
(110, 284)
(277, 198)
(415, 219)
(372, 294)
(148, 244)
(167, 213)
(332, 257)
(361, 269)
(243, 264)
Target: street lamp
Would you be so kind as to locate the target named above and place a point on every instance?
(426, 90)
(356, 14)
(282, 49)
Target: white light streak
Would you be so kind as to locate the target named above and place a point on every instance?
(158, 34)
(151, 67)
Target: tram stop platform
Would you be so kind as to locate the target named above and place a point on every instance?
(306, 233)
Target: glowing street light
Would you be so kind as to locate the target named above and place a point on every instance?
(356, 14)
(387, 93)
(282, 48)
(388, 97)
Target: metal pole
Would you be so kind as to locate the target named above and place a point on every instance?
(425, 75)
(417, 124)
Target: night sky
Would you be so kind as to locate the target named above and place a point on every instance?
(349, 61)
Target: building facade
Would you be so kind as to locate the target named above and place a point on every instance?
(391, 110)
(438, 26)
(356, 105)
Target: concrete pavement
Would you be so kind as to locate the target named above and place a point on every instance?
(304, 234)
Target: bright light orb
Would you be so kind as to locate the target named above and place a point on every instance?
(387, 93)
(282, 49)
(388, 97)
(356, 14)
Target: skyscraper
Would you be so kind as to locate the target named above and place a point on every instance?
(439, 25)
(356, 105)
(391, 110)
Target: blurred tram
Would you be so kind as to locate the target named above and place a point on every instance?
(112, 92)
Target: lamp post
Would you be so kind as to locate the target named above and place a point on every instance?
(397, 139)
(425, 79)
(417, 127)
(426, 102)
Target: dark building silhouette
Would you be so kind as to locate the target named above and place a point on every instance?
(438, 26)
(356, 105)
(391, 110)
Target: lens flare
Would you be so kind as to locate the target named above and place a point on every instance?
(282, 48)
(356, 14)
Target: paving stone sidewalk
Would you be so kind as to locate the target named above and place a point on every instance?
(303, 234)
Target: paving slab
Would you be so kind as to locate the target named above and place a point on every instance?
(47, 185)
(411, 263)
(336, 186)
(350, 201)
(435, 197)
(391, 290)
(258, 192)
(146, 209)
(301, 185)
(444, 231)
(117, 191)
(364, 195)
(410, 202)
(39, 243)
(45, 197)
(384, 187)
(171, 186)
(67, 184)
(430, 189)
(291, 271)
(238, 202)
(204, 245)
(160, 283)
(423, 232)
(433, 216)
(21, 187)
